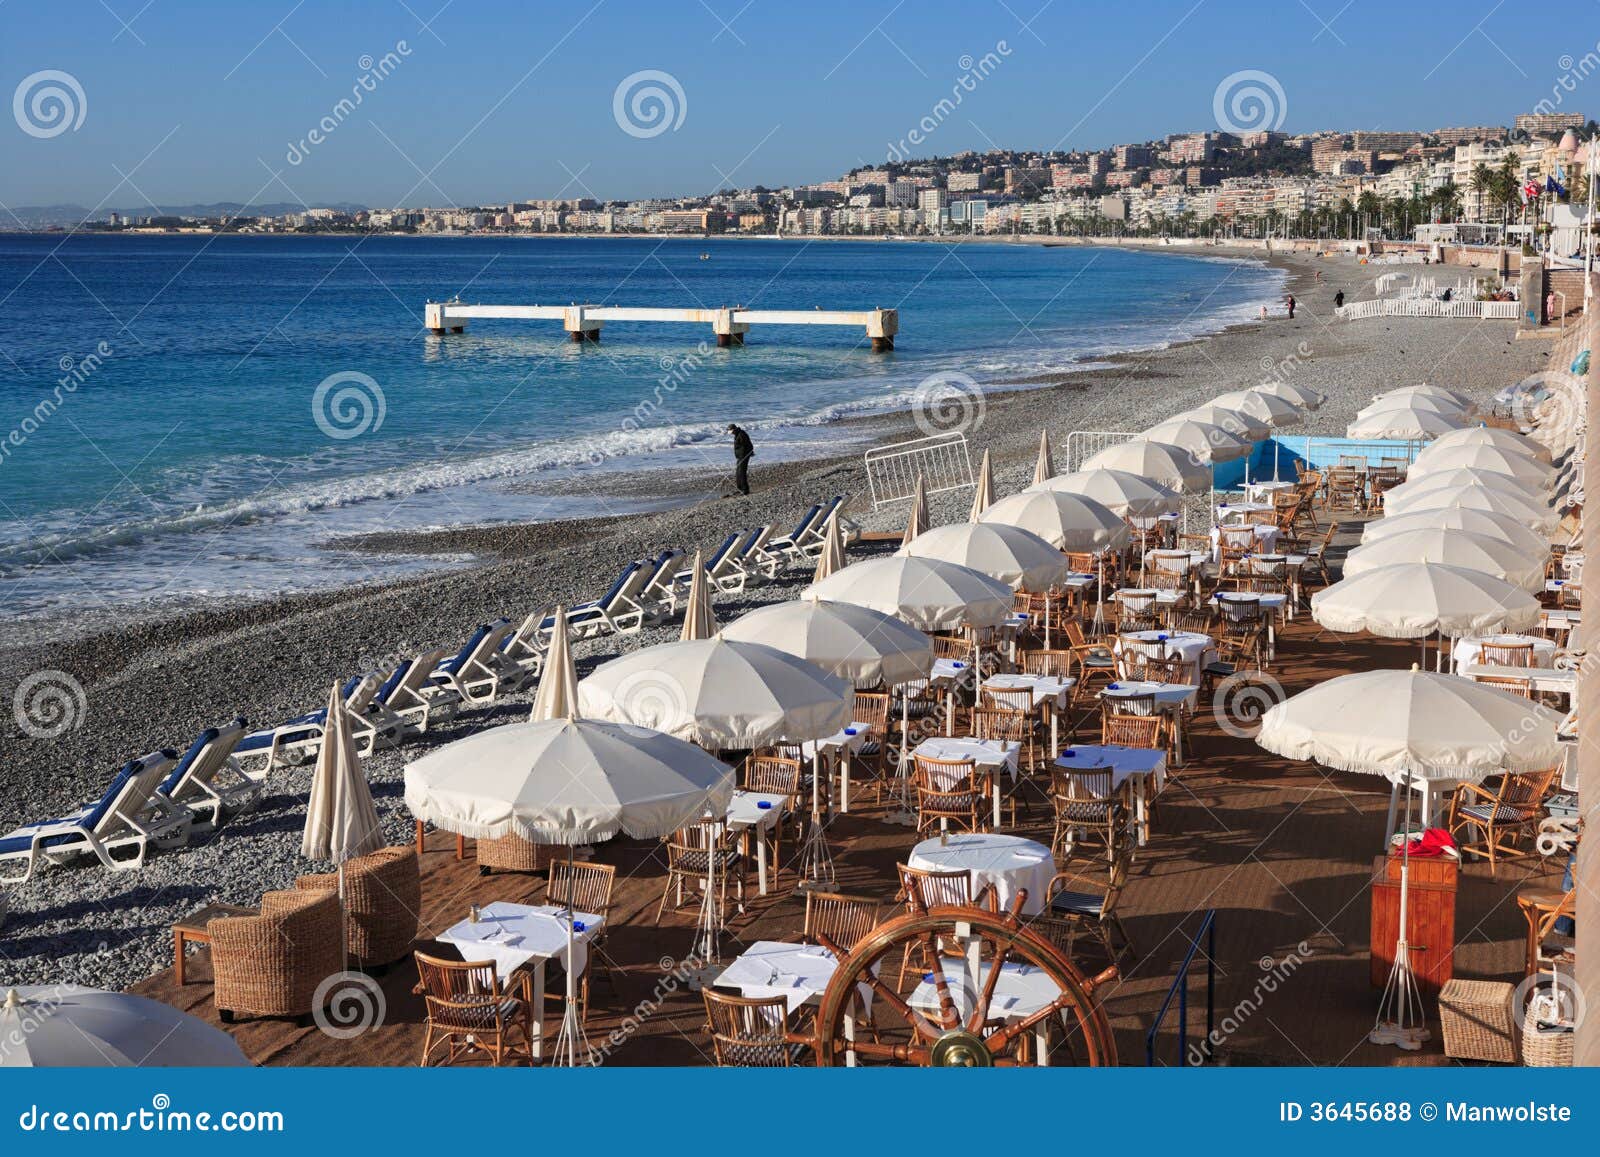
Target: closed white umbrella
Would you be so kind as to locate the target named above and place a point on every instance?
(557, 697)
(1426, 391)
(1044, 467)
(1402, 423)
(65, 1026)
(1491, 436)
(1124, 493)
(1451, 548)
(864, 647)
(917, 516)
(1066, 520)
(699, 622)
(719, 694)
(1413, 600)
(1274, 409)
(1460, 478)
(832, 556)
(1020, 559)
(1421, 404)
(927, 593)
(1300, 395)
(1171, 466)
(1533, 514)
(1250, 427)
(1482, 522)
(1206, 441)
(1406, 726)
(1518, 465)
(983, 493)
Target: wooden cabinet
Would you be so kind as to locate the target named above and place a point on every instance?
(1431, 909)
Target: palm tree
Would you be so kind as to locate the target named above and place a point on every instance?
(1482, 186)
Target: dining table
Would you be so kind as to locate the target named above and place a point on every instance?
(1468, 648)
(1009, 864)
(1143, 770)
(799, 973)
(990, 758)
(1172, 699)
(1051, 694)
(756, 813)
(1020, 991)
(834, 751)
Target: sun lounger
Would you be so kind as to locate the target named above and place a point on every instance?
(208, 782)
(808, 546)
(656, 595)
(480, 670)
(718, 567)
(127, 815)
(748, 565)
(411, 699)
(299, 739)
(783, 549)
(621, 610)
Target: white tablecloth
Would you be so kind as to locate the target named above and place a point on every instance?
(986, 754)
(1266, 540)
(1045, 688)
(512, 935)
(850, 738)
(1467, 647)
(745, 809)
(1255, 490)
(1167, 694)
(1236, 511)
(947, 671)
(1021, 991)
(1125, 763)
(1194, 648)
(1010, 863)
(797, 972)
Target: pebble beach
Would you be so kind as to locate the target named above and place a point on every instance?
(155, 678)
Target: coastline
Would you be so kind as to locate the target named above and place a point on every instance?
(156, 677)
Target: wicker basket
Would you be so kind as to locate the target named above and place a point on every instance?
(513, 854)
(1544, 1048)
(1478, 1022)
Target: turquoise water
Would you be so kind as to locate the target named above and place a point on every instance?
(159, 405)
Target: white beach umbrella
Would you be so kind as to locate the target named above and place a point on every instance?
(832, 556)
(1413, 600)
(1451, 548)
(341, 822)
(1044, 467)
(1206, 441)
(917, 515)
(1491, 436)
(1519, 466)
(1458, 478)
(983, 492)
(1482, 492)
(1460, 400)
(1417, 402)
(719, 694)
(1171, 466)
(1019, 558)
(1303, 396)
(864, 647)
(1066, 520)
(1274, 409)
(65, 1026)
(927, 593)
(1402, 423)
(1124, 493)
(1406, 726)
(1483, 522)
(699, 621)
(1248, 426)
(557, 697)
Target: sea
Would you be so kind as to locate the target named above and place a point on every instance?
(191, 416)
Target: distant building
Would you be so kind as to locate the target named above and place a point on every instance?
(1469, 133)
(693, 221)
(1538, 124)
(1195, 149)
(964, 182)
(901, 194)
(1027, 182)
(1135, 156)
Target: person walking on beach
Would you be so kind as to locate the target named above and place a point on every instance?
(1290, 304)
(1338, 300)
(743, 451)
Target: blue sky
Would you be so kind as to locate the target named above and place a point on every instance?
(192, 102)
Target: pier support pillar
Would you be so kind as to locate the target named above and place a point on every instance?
(436, 320)
(882, 327)
(580, 327)
(729, 332)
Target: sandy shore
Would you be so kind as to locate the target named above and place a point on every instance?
(157, 678)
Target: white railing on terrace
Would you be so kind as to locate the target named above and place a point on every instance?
(1390, 281)
(942, 460)
(1085, 444)
(1428, 307)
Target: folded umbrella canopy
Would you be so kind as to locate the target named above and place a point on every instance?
(1413, 600)
(1206, 441)
(927, 593)
(917, 515)
(719, 694)
(1460, 548)
(1274, 409)
(1483, 522)
(1067, 521)
(557, 697)
(1171, 466)
(864, 647)
(832, 556)
(699, 621)
(1124, 493)
(1044, 466)
(983, 492)
(65, 1026)
(1019, 558)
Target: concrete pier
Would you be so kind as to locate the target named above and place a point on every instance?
(583, 323)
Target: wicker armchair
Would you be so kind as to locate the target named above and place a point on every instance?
(469, 1011)
(513, 854)
(950, 792)
(271, 964)
(1488, 822)
(1072, 909)
(382, 901)
(843, 919)
(752, 1031)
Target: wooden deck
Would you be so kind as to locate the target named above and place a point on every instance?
(1280, 850)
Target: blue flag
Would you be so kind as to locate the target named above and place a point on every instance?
(1551, 185)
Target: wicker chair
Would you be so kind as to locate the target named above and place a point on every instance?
(587, 887)
(693, 853)
(469, 1011)
(1506, 654)
(271, 964)
(948, 791)
(1071, 909)
(1493, 820)
(872, 709)
(752, 1032)
(924, 888)
(843, 919)
(776, 775)
(382, 902)
(1097, 664)
(513, 854)
(1087, 808)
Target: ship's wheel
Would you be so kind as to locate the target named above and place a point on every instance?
(982, 989)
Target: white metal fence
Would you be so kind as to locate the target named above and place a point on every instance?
(1429, 307)
(1085, 444)
(943, 461)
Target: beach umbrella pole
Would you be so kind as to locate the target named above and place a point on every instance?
(1399, 1020)
(571, 1040)
(816, 860)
